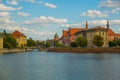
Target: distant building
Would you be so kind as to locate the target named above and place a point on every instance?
(111, 34)
(56, 37)
(69, 36)
(89, 34)
(1, 42)
(20, 38)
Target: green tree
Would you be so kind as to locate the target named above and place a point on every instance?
(73, 44)
(9, 41)
(111, 44)
(31, 42)
(119, 42)
(81, 41)
(98, 41)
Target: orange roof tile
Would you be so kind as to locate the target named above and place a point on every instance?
(72, 31)
(110, 32)
(64, 33)
(18, 34)
(118, 35)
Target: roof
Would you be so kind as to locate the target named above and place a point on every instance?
(64, 33)
(110, 32)
(18, 34)
(72, 31)
(118, 35)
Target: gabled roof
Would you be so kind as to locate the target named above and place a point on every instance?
(110, 32)
(64, 33)
(72, 31)
(16, 33)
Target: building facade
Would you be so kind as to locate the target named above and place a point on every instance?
(20, 38)
(69, 36)
(111, 34)
(1, 42)
(89, 34)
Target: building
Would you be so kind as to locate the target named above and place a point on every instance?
(89, 34)
(111, 34)
(1, 42)
(64, 37)
(69, 36)
(20, 38)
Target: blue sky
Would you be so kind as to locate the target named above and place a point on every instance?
(41, 19)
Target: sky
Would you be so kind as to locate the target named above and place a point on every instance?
(41, 19)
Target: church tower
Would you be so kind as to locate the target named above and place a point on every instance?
(108, 25)
(56, 37)
(86, 26)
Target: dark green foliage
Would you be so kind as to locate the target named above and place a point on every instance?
(9, 41)
(31, 42)
(81, 41)
(46, 44)
(114, 43)
(119, 42)
(73, 44)
(111, 44)
(98, 41)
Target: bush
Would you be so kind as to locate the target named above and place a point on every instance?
(73, 44)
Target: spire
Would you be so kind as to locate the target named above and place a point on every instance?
(86, 27)
(108, 24)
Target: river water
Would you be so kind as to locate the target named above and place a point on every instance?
(59, 66)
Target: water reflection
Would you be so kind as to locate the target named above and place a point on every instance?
(56, 66)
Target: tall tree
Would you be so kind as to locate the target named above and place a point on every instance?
(81, 41)
(9, 41)
(31, 42)
(98, 41)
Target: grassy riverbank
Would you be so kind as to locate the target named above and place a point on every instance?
(85, 50)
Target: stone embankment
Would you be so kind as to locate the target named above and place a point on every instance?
(85, 50)
(14, 50)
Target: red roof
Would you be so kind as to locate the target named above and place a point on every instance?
(118, 35)
(18, 34)
(72, 31)
(110, 32)
(64, 33)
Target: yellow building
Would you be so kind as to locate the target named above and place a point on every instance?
(1, 42)
(89, 33)
(97, 31)
(20, 38)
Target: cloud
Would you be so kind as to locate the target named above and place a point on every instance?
(8, 8)
(23, 14)
(109, 4)
(94, 13)
(4, 14)
(115, 11)
(12, 2)
(50, 5)
(43, 20)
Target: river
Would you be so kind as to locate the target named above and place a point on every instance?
(59, 66)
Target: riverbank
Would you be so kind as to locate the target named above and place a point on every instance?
(14, 50)
(85, 50)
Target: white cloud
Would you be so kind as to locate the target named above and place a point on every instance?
(50, 5)
(23, 14)
(110, 3)
(32, 1)
(8, 8)
(12, 2)
(94, 13)
(4, 14)
(46, 20)
(116, 10)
